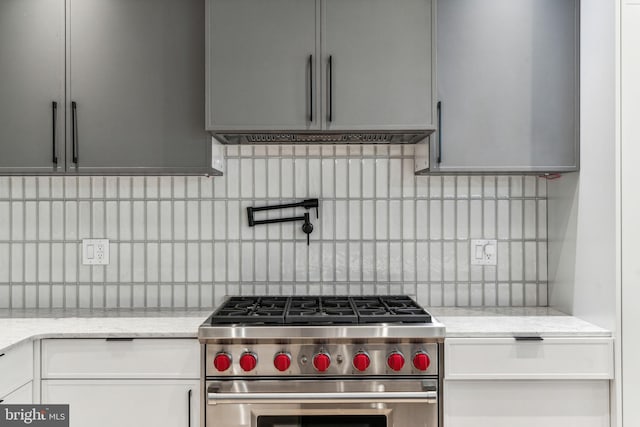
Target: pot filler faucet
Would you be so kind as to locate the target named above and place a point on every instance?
(307, 227)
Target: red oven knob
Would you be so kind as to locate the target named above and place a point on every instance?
(222, 361)
(361, 361)
(248, 361)
(321, 362)
(282, 361)
(395, 361)
(421, 360)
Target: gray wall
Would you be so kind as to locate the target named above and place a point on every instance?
(184, 242)
(582, 207)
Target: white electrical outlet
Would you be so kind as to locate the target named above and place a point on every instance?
(484, 252)
(95, 251)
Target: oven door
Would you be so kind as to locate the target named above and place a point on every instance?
(325, 403)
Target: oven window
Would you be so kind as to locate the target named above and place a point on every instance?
(324, 421)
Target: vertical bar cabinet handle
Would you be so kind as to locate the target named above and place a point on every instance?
(54, 113)
(439, 131)
(330, 88)
(74, 131)
(311, 88)
(189, 393)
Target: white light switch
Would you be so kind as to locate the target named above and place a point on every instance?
(484, 252)
(95, 251)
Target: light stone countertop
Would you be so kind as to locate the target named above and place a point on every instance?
(17, 326)
(496, 322)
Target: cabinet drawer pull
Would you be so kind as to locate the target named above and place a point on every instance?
(1, 354)
(54, 133)
(529, 338)
(1, 400)
(118, 339)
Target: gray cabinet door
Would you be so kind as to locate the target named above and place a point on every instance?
(31, 80)
(380, 76)
(508, 82)
(136, 76)
(262, 65)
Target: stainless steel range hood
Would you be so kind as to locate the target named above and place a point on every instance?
(324, 137)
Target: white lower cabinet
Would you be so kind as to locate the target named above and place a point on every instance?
(526, 403)
(22, 395)
(127, 403)
(16, 368)
(123, 382)
(550, 382)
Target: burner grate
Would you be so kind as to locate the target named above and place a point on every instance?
(251, 310)
(319, 310)
(389, 309)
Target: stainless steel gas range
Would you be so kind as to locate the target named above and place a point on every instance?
(361, 361)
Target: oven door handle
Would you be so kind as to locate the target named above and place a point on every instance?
(339, 398)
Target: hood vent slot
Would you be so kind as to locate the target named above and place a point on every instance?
(411, 137)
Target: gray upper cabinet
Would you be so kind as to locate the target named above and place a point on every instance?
(508, 83)
(329, 65)
(263, 65)
(136, 92)
(31, 86)
(377, 59)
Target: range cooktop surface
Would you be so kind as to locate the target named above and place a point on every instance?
(319, 310)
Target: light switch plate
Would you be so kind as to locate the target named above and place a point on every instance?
(484, 252)
(95, 251)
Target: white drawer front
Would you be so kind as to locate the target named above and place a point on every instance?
(16, 367)
(138, 358)
(513, 403)
(20, 396)
(506, 358)
(126, 403)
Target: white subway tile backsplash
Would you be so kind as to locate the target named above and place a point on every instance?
(475, 187)
(449, 220)
(382, 220)
(435, 187)
(409, 179)
(368, 261)
(395, 177)
(462, 219)
(5, 257)
(314, 171)
(341, 179)
(517, 221)
(355, 179)
(341, 262)
(355, 262)
(489, 186)
(5, 187)
(30, 221)
(489, 219)
(17, 220)
(5, 221)
(395, 220)
(300, 178)
(448, 187)
(382, 262)
(111, 220)
(516, 186)
(435, 219)
(355, 219)
(382, 178)
(185, 242)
